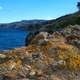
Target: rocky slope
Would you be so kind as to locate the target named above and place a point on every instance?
(47, 57)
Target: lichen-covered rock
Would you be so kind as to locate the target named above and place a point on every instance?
(55, 60)
(71, 30)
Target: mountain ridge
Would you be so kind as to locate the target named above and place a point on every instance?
(45, 25)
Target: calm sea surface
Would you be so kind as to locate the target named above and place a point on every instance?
(12, 39)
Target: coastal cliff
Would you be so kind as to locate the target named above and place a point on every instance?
(47, 57)
(52, 54)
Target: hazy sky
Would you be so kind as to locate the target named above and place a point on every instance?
(16, 10)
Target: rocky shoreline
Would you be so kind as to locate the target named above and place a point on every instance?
(53, 56)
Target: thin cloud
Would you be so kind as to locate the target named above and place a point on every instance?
(1, 7)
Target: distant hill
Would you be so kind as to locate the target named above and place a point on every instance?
(62, 22)
(45, 25)
(23, 25)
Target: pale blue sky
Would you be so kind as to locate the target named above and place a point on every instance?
(16, 10)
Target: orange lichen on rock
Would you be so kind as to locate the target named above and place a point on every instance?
(41, 60)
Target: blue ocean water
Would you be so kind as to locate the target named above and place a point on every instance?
(12, 39)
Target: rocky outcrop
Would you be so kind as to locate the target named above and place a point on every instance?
(30, 37)
(47, 57)
(72, 34)
(71, 30)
